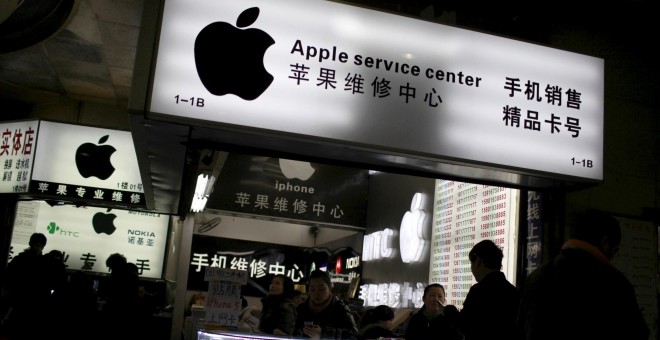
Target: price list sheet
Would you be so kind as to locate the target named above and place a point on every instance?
(463, 215)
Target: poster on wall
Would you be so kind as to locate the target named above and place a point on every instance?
(17, 147)
(464, 214)
(87, 236)
(292, 190)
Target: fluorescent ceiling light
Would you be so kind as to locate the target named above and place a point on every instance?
(203, 190)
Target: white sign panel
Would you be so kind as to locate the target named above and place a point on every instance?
(87, 236)
(329, 70)
(465, 214)
(16, 154)
(82, 162)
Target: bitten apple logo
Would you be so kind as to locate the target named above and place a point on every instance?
(94, 160)
(230, 60)
(296, 169)
(104, 223)
(411, 240)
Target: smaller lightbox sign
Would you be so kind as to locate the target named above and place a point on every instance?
(87, 236)
(17, 144)
(86, 163)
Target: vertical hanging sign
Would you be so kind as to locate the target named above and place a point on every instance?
(534, 232)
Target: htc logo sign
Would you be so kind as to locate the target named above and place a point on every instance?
(377, 245)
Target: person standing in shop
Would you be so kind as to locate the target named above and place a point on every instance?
(28, 290)
(121, 293)
(323, 315)
(491, 305)
(579, 294)
(278, 313)
(430, 321)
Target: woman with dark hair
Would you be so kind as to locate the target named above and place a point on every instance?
(324, 315)
(377, 323)
(278, 313)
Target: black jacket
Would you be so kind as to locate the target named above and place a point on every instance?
(337, 317)
(580, 295)
(277, 312)
(421, 327)
(490, 309)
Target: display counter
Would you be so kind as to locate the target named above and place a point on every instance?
(205, 334)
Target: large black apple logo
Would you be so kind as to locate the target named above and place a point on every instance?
(94, 160)
(104, 223)
(231, 60)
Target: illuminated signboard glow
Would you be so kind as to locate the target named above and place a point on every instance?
(87, 236)
(87, 163)
(351, 75)
(465, 214)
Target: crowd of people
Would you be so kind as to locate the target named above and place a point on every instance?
(40, 293)
(566, 298)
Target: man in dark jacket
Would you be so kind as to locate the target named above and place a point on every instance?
(323, 315)
(580, 295)
(430, 321)
(491, 306)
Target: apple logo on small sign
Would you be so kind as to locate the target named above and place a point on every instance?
(103, 223)
(229, 59)
(411, 240)
(94, 160)
(296, 169)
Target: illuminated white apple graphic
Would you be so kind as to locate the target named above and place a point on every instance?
(411, 234)
(295, 169)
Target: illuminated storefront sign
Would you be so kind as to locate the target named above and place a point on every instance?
(16, 154)
(75, 162)
(465, 214)
(331, 71)
(263, 260)
(87, 236)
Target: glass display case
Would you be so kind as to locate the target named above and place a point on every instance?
(206, 334)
